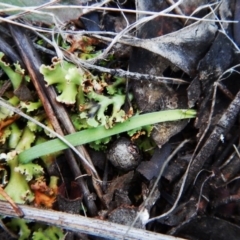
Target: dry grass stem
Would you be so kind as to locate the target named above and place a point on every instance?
(158, 178)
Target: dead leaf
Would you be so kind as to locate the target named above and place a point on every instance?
(150, 169)
(44, 195)
(184, 48)
(198, 228)
(122, 182)
(218, 59)
(23, 93)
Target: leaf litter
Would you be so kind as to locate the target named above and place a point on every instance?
(185, 179)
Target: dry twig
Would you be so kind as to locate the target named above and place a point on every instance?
(82, 224)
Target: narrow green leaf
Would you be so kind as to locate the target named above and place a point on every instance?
(93, 134)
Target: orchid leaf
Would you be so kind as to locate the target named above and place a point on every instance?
(93, 134)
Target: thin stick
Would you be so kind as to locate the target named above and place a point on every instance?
(12, 203)
(30, 10)
(77, 223)
(135, 25)
(122, 73)
(177, 10)
(209, 121)
(201, 190)
(236, 150)
(44, 30)
(95, 8)
(158, 178)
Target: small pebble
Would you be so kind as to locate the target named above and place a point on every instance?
(124, 155)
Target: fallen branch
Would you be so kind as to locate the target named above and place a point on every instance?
(82, 224)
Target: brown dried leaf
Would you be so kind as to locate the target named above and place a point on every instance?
(118, 183)
(184, 48)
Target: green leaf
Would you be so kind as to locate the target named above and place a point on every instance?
(93, 134)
